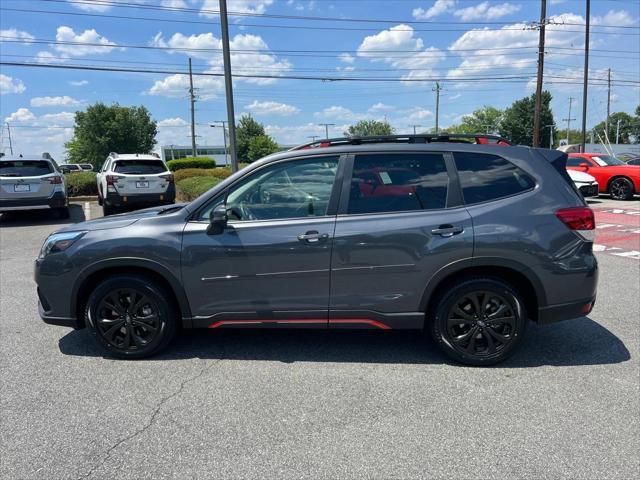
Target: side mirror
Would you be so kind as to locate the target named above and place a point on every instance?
(217, 220)
(585, 165)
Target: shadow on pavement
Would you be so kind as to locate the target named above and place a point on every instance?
(28, 218)
(571, 343)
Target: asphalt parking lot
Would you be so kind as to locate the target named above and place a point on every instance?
(322, 405)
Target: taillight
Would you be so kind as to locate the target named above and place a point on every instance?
(111, 179)
(168, 177)
(57, 180)
(579, 219)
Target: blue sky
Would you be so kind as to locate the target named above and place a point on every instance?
(413, 42)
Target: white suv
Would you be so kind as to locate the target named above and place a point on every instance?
(32, 183)
(134, 180)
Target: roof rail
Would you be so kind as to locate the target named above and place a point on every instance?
(473, 138)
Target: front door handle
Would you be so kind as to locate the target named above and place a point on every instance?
(313, 236)
(447, 231)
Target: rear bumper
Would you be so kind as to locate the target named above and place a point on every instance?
(57, 200)
(117, 200)
(565, 311)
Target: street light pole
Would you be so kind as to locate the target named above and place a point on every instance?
(326, 128)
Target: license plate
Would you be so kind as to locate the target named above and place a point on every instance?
(22, 188)
(142, 184)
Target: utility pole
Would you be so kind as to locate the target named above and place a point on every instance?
(550, 127)
(11, 144)
(569, 119)
(224, 134)
(326, 128)
(228, 83)
(192, 98)
(313, 137)
(586, 75)
(414, 128)
(437, 90)
(538, 104)
(606, 121)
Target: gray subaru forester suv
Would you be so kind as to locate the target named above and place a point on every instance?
(460, 236)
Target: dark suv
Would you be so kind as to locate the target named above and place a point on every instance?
(465, 238)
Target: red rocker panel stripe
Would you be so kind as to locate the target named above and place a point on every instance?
(373, 323)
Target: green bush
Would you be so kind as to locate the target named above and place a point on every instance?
(190, 162)
(81, 183)
(219, 172)
(190, 188)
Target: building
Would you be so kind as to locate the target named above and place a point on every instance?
(216, 152)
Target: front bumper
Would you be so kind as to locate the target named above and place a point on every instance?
(57, 200)
(47, 315)
(150, 199)
(589, 190)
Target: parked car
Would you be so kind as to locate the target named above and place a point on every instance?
(32, 183)
(634, 161)
(584, 182)
(87, 167)
(134, 180)
(614, 176)
(70, 168)
(478, 239)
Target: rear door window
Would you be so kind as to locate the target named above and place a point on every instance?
(398, 183)
(486, 177)
(25, 168)
(139, 167)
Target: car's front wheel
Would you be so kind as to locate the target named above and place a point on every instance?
(479, 321)
(621, 189)
(131, 316)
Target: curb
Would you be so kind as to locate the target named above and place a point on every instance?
(85, 198)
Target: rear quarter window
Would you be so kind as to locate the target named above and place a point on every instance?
(485, 177)
(25, 168)
(139, 167)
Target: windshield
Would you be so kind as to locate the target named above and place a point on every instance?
(139, 167)
(607, 161)
(25, 168)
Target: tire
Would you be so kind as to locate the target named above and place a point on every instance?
(114, 311)
(107, 209)
(494, 339)
(621, 188)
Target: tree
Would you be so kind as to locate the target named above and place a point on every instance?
(366, 128)
(484, 120)
(247, 129)
(629, 128)
(517, 121)
(110, 128)
(261, 146)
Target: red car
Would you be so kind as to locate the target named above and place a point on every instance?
(614, 176)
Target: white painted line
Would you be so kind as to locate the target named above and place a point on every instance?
(87, 211)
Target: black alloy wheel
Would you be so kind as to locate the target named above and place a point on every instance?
(621, 189)
(131, 316)
(479, 321)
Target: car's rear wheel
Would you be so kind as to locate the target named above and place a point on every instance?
(621, 188)
(479, 321)
(131, 316)
(107, 209)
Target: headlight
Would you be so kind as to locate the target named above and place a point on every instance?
(59, 242)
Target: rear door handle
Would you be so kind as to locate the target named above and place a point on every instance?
(313, 237)
(447, 230)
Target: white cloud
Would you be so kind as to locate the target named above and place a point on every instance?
(298, 134)
(78, 83)
(438, 8)
(381, 107)
(95, 6)
(67, 34)
(346, 58)
(64, 118)
(53, 101)
(47, 57)
(419, 113)
(13, 33)
(338, 112)
(172, 122)
(21, 115)
(400, 48)
(174, 4)
(177, 85)
(485, 11)
(236, 6)
(619, 18)
(10, 85)
(272, 108)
